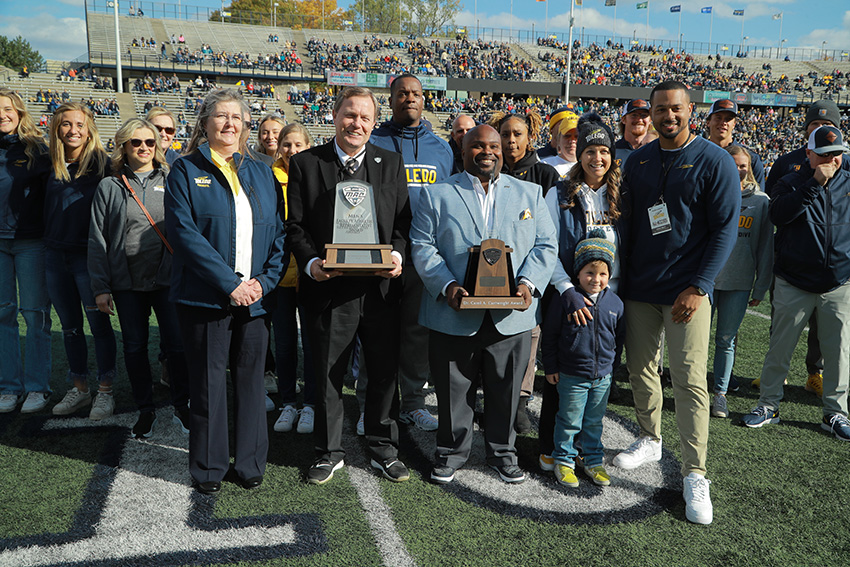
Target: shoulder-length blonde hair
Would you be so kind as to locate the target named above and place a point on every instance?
(124, 134)
(27, 131)
(297, 128)
(199, 134)
(93, 157)
(575, 178)
(749, 178)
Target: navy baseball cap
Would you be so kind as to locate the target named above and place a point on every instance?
(635, 104)
(724, 105)
(826, 139)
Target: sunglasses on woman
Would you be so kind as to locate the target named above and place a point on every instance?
(135, 142)
(167, 129)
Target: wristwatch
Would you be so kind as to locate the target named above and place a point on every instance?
(701, 291)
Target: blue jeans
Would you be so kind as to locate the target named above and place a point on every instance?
(578, 424)
(134, 312)
(730, 307)
(23, 287)
(69, 286)
(286, 348)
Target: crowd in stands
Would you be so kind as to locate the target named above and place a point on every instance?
(286, 60)
(469, 59)
(158, 84)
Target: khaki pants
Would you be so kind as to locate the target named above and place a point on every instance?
(687, 345)
(792, 310)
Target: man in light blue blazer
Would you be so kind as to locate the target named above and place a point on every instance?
(495, 344)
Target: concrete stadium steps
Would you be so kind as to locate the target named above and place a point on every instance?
(101, 31)
(232, 38)
(78, 91)
(541, 73)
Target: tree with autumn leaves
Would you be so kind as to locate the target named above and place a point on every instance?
(420, 17)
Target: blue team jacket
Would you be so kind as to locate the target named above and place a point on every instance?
(200, 221)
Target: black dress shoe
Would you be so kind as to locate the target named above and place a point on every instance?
(210, 487)
(252, 482)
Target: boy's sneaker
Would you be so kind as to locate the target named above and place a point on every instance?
(361, 425)
(566, 475)
(546, 462)
(74, 400)
(598, 475)
(8, 402)
(838, 425)
(698, 508)
(181, 420)
(392, 469)
(322, 471)
(421, 418)
(286, 420)
(718, 406)
(511, 474)
(306, 419)
(760, 416)
(270, 382)
(144, 425)
(815, 384)
(36, 401)
(103, 406)
(642, 451)
(442, 474)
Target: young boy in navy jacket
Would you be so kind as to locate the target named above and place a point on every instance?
(579, 359)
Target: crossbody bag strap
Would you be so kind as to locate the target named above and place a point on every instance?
(147, 214)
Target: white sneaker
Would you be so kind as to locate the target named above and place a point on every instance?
(8, 402)
(361, 425)
(103, 406)
(305, 420)
(270, 381)
(642, 451)
(698, 508)
(36, 401)
(73, 401)
(421, 418)
(269, 403)
(286, 420)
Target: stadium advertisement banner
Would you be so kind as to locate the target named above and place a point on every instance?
(380, 80)
(711, 96)
(763, 99)
(342, 79)
(785, 100)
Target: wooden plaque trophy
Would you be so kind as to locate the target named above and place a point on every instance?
(355, 250)
(490, 278)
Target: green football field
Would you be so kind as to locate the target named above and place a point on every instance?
(74, 492)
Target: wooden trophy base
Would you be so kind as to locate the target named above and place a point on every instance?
(358, 259)
(492, 302)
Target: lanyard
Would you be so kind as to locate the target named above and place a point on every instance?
(665, 169)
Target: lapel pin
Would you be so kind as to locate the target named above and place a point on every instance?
(525, 215)
(377, 159)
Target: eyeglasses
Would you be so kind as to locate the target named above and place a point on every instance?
(832, 154)
(225, 117)
(167, 129)
(150, 142)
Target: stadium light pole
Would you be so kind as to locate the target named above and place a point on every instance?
(569, 54)
(120, 85)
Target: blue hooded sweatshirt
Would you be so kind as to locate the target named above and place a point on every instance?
(427, 157)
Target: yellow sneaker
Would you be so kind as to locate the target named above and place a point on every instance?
(598, 475)
(566, 475)
(756, 384)
(546, 462)
(815, 384)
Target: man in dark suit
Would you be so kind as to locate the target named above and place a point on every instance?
(339, 308)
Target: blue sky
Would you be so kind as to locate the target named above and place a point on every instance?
(57, 28)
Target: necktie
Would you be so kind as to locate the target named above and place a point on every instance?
(351, 166)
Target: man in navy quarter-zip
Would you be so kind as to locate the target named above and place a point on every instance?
(809, 208)
(681, 198)
(427, 160)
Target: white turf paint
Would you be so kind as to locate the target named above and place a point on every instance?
(367, 483)
(542, 493)
(147, 508)
(757, 314)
